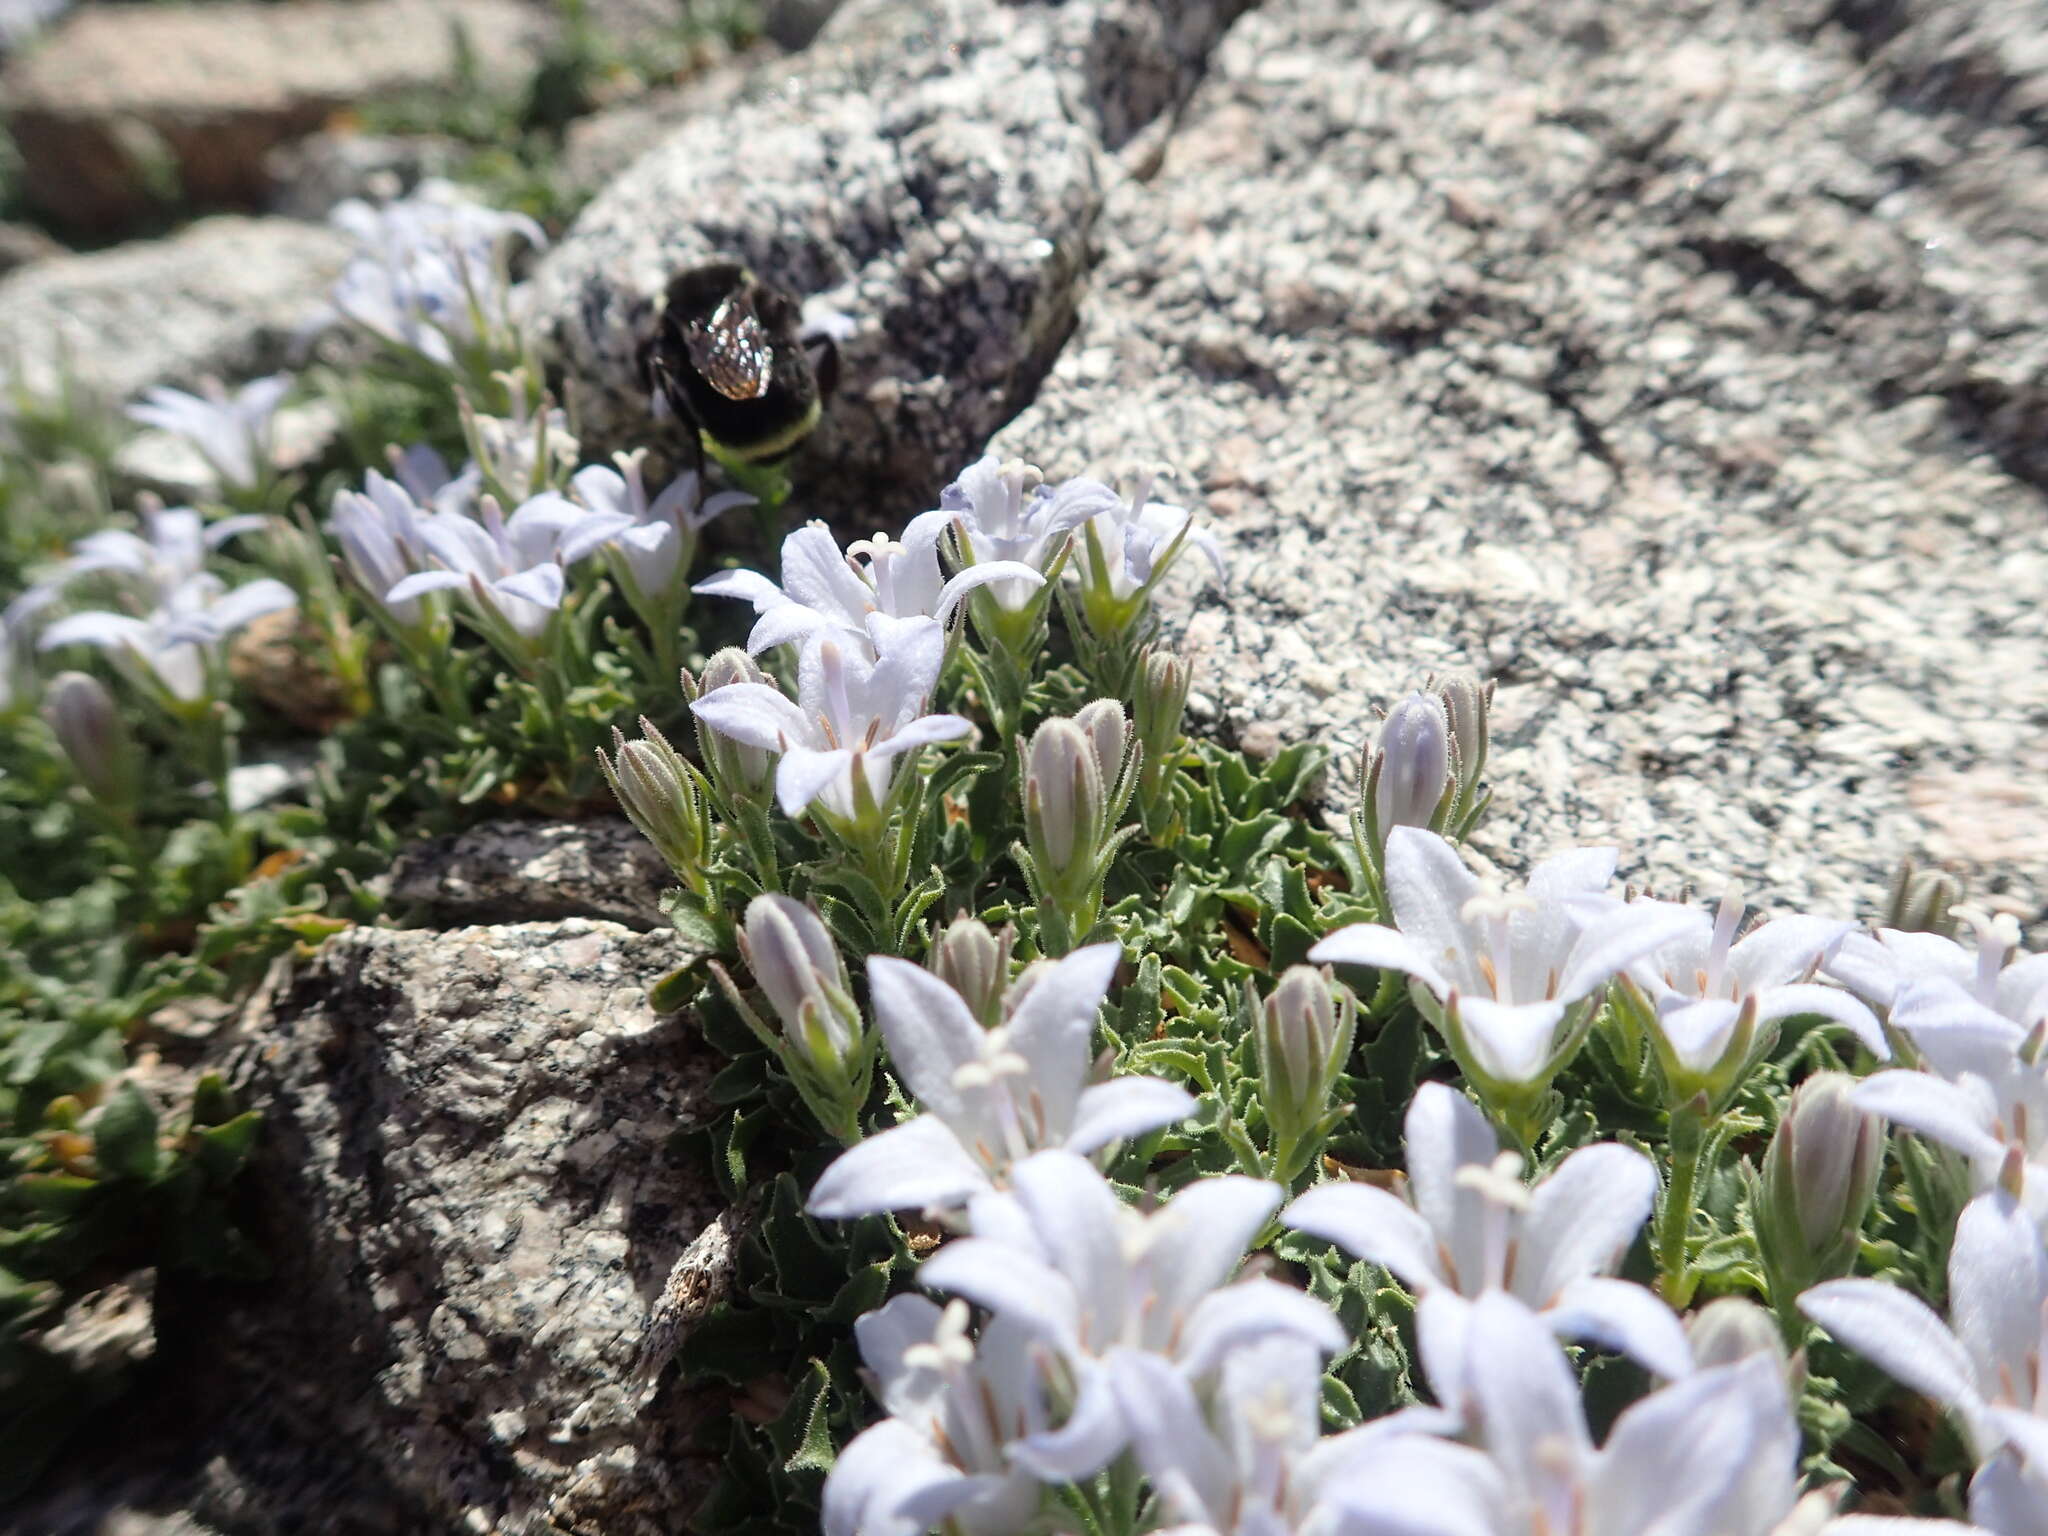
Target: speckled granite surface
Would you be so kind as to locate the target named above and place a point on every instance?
(1680, 366)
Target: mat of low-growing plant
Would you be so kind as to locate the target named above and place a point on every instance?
(1113, 1145)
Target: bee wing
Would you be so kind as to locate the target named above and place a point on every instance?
(732, 350)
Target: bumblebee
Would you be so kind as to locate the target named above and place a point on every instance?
(731, 357)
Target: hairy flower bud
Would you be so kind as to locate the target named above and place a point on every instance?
(1819, 1178)
(1303, 1039)
(1921, 899)
(1162, 698)
(743, 773)
(1102, 720)
(974, 960)
(1466, 701)
(1413, 766)
(1065, 804)
(662, 795)
(89, 728)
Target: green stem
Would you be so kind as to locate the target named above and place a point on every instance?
(759, 840)
(1675, 1279)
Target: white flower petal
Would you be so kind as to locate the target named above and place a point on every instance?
(1901, 1333)
(1023, 1289)
(1196, 1241)
(1511, 1041)
(917, 1165)
(1429, 887)
(1581, 1220)
(107, 630)
(882, 1467)
(543, 586)
(1997, 1287)
(1444, 1132)
(748, 586)
(1096, 1430)
(1673, 1456)
(806, 775)
(1829, 1003)
(929, 1032)
(1949, 1113)
(753, 714)
(1125, 1107)
(2004, 1500)
(1523, 1393)
(1185, 1463)
(1053, 1025)
(1227, 1319)
(420, 583)
(1386, 949)
(1608, 945)
(1623, 1317)
(1373, 1225)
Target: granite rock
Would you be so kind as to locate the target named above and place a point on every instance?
(225, 296)
(527, 871)
(21, 244)
(932, 173)
(468, 1186)
(124, 108)
(595, 149)
(1677, 366)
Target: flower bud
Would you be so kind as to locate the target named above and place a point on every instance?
(1065, 805)
(1819, 1178)
(1466, 701)
(660, 793)
(1413, 766)
(824, 1045)
(1162, 698)
(974, 960)
(743, 773)
(89, 728)
(797, 965)
(1102, 720)
(1921, 899)
(1303, 1039)
(1730, 1330)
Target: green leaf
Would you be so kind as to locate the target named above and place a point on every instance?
(677, 990)
(124, 1139)
(223, 1148)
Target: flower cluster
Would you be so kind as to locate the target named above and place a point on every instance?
(1123, 1367)
(176, 614)
(422, 531)
(1113, 1336)
(431, 279)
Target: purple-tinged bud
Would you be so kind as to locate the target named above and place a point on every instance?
(974, 960)
(1102, 720)
(824, 1044)
(743, 773)
(89, 728)
(1065, 804)
(1819, 1179)
(1413, 766)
